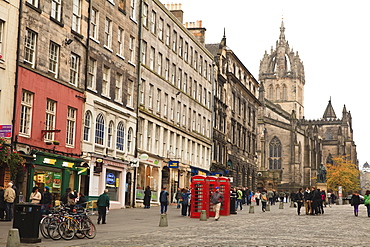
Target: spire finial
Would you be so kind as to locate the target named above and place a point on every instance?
(282, 30)
(224, 32)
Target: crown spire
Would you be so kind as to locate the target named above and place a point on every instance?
(282, 30)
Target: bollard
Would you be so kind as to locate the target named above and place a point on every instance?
(203, 215)
(292, 204)
(281, 205)
(251, 209)
(163, 221)
(267, 207)
(13, 238)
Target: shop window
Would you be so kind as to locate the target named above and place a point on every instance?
(112, 184)
(51, 177)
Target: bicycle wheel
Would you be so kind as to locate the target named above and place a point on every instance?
(89, 229)
(43, 226)
(52, 229)
(80, 233)
(67, 230)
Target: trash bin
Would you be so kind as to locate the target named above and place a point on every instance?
(27, 218)
(233, 203)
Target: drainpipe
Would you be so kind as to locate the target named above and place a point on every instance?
(14, 140)
(140, 35)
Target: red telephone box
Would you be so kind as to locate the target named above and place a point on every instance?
(213, 183)
(225, 190)
(199, 196)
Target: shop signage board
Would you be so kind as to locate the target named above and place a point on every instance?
(5, 131)
(173, 164)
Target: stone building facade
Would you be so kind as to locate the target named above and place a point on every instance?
(9, 11)
(235, 118)
(50, 94)
(110, 113)
(174, 121)
(291, 149)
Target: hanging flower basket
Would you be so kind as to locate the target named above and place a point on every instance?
(12, 159)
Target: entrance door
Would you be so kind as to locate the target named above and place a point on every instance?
(128, 189)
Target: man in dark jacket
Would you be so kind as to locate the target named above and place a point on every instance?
(103, 206)
(46, 201)
(163, 199)
(316, 198)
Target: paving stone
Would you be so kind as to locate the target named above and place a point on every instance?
(279, 227)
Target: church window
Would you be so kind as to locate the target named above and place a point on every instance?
(271, 92)
(284, 93)
(275, 154)
(278, 92)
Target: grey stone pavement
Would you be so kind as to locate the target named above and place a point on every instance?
(279, 227)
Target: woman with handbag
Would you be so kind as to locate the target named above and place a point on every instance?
(355, 201)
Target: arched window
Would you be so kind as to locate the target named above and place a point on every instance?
(129, 140)
(87, 126)
(275, 154)
(99, 129)
(110, 134)
(277, 92)
(284, 93)
(120, 136)
(271, 93)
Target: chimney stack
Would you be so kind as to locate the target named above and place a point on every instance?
(176, 10)
(197, 30)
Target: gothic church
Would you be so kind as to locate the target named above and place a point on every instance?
(290, 148)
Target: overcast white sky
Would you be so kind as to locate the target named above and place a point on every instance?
(332, 38)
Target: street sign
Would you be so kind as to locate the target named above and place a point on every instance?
(173, 164)
(5, 131)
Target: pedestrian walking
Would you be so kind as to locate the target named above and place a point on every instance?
(239, 199)
(9, 197)
(185, 194)
(287, 196)
(2, 202)
(270, 197)
(248, 196)
(147, 197)
(367, 202)
(316, 199)
(217, 199)
(299, 199)
(103, 207)
(163, 199)
(178, 197)
(282, 195)
(308, 201)
(257, 196)
(355, 201)
(46, 200)
(264, 200)
(35, 196)
(244, 201)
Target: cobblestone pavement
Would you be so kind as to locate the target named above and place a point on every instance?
(278, 227)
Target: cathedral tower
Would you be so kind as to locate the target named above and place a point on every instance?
(282, 75)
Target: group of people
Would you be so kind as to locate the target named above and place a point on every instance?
(243, 195)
